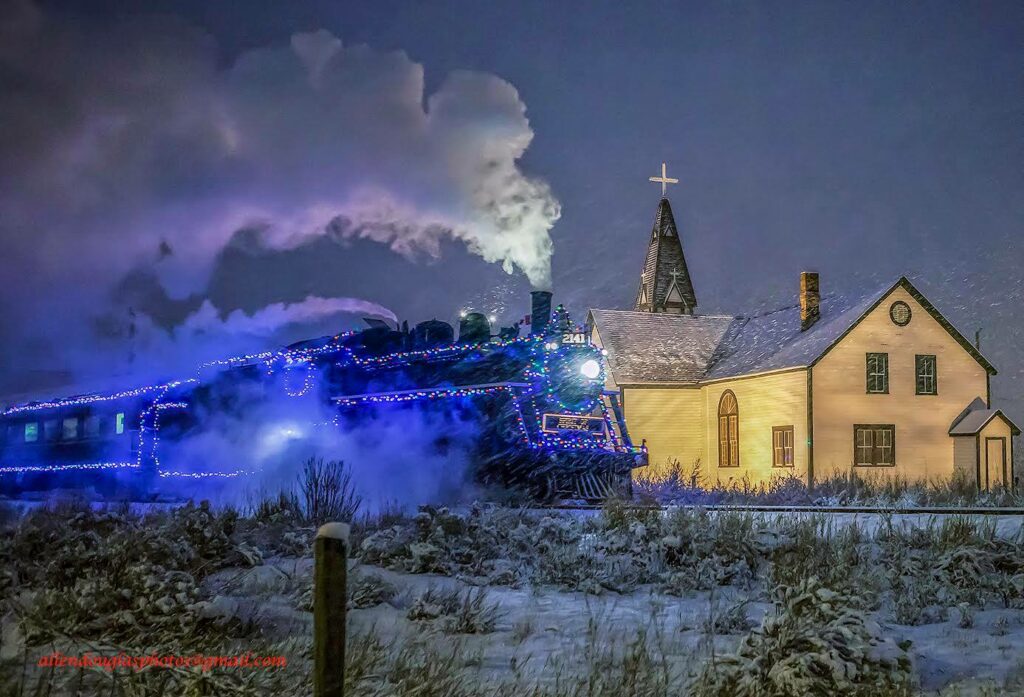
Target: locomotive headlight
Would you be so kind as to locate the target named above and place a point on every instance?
(590, 369)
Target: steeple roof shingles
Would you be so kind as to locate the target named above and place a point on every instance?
(665, 256)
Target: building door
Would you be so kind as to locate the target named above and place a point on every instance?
(995, 462)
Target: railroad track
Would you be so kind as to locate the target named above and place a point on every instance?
(755, 508)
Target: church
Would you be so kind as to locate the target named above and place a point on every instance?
(881, 384)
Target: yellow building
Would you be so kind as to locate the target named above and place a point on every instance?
(878, 384)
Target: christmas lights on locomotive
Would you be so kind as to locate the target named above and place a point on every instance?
(542, 417)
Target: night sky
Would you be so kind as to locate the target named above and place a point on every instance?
(202, 177)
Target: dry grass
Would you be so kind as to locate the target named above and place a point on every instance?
(690, 485)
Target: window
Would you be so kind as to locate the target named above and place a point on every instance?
(782, 446)
(51, 429)
(878, 373)
(69, 429)
(899, 313)
(874, 445)
(927, 376)
(119, 423)
(92, 426)
(31, 432)
(728, 431)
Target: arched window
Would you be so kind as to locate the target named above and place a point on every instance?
(728, 431)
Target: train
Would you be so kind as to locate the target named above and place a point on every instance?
(542, 418)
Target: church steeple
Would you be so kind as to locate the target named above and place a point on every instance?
(665, 284)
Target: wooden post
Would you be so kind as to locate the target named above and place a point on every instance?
(330, 551)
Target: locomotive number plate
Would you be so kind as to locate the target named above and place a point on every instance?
(553, 423)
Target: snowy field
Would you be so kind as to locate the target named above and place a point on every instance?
(511, 601)
(545, 633)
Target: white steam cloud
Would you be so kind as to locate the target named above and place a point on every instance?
(273, 317)
(131, 144)
(208, 332)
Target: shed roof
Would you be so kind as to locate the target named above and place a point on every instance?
(976, 417)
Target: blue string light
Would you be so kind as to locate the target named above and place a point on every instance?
(416, 395)
(542, 387)
(203, 475)
(66, 467)
(92, 399)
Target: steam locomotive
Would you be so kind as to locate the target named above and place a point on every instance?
(540, 416)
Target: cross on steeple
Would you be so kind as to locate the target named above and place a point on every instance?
(674, 273)
(664, 179)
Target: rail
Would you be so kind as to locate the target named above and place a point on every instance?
(922, 510)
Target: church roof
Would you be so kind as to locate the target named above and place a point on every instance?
(649, 348)
(773, 340)
(659, 286)
(655, 347)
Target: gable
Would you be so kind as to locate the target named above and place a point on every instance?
(935, 330)
(673, 295)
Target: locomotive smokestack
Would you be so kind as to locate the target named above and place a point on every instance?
(540, 310)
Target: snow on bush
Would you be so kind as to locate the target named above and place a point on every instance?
(820, 643)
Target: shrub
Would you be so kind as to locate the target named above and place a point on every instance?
(328, 492)
(841, 557)
(369, 590)
(461, 613)
(110, 575)
(283, 508)
(433, 603)
(819, 643)
(474, 614)
(730, 620)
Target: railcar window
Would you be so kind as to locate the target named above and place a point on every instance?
(50, 429)
(119, 423)
(92, 426)
(69, 429)
(31, 432)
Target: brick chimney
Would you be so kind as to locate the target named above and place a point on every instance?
(810, 299)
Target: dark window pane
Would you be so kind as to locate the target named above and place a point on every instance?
(69, 428)
(926, 375)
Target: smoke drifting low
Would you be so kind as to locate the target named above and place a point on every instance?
(397, 455)
(132, 146)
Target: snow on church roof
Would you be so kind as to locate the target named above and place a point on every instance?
(773, 340)
(646, 347)
(659, 347)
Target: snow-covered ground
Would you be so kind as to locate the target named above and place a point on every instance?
(546, 632)
(538, 603)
